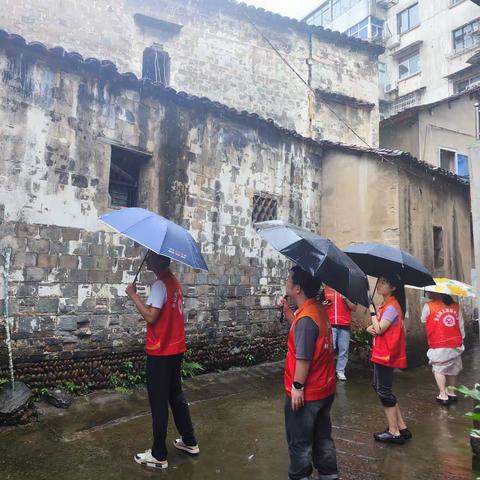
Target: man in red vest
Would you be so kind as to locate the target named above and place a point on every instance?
(339, 310)
(165, 346)
(309, 380)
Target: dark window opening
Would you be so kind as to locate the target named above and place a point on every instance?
(264, 208)
(156, 65)
(125, 169)
(438, 257)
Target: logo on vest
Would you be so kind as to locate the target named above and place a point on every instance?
(448, 317)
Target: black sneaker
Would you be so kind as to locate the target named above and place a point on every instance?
(441, 401)
(387, 437)
(406, 434)
(453, 398)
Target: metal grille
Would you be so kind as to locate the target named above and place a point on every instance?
(407, 101)
(264, 208)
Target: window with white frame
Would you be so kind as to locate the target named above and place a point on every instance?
(455, 2)
(454, 162)
(369, 29)
(464, 38)
(329, 11)
(408, 19)
(467, 83)
(360, 30)
(409, 65)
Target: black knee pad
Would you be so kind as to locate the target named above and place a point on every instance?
(388, 400)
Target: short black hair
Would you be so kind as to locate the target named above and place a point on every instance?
(396, 281)
(163, 262)
(447, 299)
(308, 283)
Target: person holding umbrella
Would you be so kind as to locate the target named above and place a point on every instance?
(445, 333)
(163, 314)
(388, 353)
(309, 380)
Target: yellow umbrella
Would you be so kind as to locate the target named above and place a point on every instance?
(449, 287)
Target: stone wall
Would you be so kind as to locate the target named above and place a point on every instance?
(219, 53)
(68, 273)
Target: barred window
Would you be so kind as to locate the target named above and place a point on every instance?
(264, 208)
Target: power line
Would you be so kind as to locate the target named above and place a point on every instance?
(344, 122)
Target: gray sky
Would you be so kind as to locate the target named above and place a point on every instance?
(290, 8)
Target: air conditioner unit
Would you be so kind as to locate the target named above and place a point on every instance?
(391, 87)
(476, 29)
(393, 41)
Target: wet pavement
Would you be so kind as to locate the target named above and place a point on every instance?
(239, 421)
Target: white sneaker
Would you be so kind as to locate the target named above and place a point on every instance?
(147, 460)
(178, 443)
(341, 376)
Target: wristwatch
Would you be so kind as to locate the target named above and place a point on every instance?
(298, 386)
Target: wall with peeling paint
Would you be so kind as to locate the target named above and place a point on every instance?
(69, 272)
(217, 54)
(384, 203)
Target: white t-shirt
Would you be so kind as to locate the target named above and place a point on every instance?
(158, 295)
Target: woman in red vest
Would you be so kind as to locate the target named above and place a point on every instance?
(388, 353)
(445, 334)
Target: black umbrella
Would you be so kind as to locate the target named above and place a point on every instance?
(380, 260)
(318, 256)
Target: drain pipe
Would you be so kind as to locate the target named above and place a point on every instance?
(6, 314)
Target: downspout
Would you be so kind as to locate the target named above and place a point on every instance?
(310, 93)
(6, 314)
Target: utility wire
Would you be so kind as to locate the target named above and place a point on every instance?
(344, 122)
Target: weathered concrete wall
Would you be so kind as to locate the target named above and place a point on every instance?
(475, 195)
(381, 202)
(425, 132)
(423, 205)
(68, 273)
(218, 53)
(402, 135)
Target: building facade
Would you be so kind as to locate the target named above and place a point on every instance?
(430, 57)
(74, 126)
(220, 49)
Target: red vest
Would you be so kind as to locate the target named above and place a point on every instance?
(320, 381)
(166, 336)
(443, 325)
(338, 312)
(390, 348)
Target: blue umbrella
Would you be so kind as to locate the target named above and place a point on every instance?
(157, 234)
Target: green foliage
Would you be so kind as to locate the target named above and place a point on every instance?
(127, 379)
(250, 359)
(190, 369)
(361, 338)
(4, 382)
(473, 393)
(71, 387)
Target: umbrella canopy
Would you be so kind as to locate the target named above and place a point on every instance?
(318, 256)
(448, 286)
(378, 260)
(157, 234)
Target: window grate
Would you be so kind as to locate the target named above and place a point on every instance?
(265, 208)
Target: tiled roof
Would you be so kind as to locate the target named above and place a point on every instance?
(108, 70)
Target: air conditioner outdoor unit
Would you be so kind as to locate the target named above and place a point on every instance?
(394, 41)
(391, 87)
(476, 29)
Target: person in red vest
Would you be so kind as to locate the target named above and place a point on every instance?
(165, 346)
(388, 353)
(339, 310)
(445, 334)
(309, 380)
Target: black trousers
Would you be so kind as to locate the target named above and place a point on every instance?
(309, 437)
(164, 385)
(382, 384)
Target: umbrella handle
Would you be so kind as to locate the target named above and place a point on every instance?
(139, 268)
(373, 294)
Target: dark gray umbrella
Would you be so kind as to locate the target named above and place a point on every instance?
(318, 256)
(380, 260)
